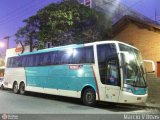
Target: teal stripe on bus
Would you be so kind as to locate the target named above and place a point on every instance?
(60, 77)
(138, 90)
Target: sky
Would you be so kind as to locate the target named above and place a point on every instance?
(13, 12)
(145, 7)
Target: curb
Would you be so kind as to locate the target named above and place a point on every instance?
(146, 106)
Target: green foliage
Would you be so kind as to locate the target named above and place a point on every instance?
(65, 23)
(1, 61)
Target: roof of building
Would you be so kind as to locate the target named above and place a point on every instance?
(123, 22)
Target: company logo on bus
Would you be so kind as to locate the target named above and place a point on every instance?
(75, 67)
(136, 88)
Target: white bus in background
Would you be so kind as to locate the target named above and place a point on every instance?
(109, 71)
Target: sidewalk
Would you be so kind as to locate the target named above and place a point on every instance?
(153, 105)
(153, 100)
(150, 104)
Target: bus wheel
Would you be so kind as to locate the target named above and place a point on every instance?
(89, 97)
(22, 88)
(15, 88)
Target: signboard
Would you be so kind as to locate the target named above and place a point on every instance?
(20, 48)
(75, 67)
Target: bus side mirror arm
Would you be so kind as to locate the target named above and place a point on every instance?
(152, 63)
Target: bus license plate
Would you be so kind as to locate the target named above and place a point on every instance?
(138, 98)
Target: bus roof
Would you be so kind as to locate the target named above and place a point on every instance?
(75, 46)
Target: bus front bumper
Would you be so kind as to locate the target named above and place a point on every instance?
(126, 97)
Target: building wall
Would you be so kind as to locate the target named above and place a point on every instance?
(147, 41)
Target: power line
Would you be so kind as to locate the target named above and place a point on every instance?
(9, 37)
(14, 10)
(40, 4)
(27, 8)
(19, 16)
(136, 3)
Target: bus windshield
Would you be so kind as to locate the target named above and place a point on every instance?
(133, 68)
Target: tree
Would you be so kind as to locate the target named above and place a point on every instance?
(28, 33)
(65, 23)
(1, 61)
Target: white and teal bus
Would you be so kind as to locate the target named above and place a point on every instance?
(109, 71)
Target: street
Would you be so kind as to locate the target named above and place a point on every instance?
(34, 103)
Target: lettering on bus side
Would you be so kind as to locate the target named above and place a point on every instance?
(75, 67)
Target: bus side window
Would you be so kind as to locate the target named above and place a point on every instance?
(9, 62)
(30, 61)
(53, 57)
(14, 63)
(46, 59)
(83, 55)
(41, 59)
(66, 58)
(19, 62)
(23, 61)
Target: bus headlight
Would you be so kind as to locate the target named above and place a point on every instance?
(127, 89)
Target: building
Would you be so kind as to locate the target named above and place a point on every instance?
(133, 28)
(142, 34)
(114, 9)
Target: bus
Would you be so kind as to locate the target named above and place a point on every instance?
(110, 71)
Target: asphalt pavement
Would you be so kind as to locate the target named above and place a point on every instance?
(49, 106)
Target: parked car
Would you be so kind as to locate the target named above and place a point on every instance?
(2, 77)
(1, 83)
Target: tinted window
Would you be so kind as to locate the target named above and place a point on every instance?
(105, 51)
(8, 62)
(47, 59)
(30, 61)
(83, 55)
(68, 56)
(106, 55)
(24, 61)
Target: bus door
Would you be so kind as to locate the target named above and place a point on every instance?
(112, 80)
(109, 71)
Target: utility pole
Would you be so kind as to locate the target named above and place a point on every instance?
(7, 43)
(155, 15)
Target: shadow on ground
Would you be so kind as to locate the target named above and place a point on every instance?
(115, 107)
(101, 105)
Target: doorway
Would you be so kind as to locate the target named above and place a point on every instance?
(158, 69)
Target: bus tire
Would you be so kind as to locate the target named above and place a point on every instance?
(89, 97)
(22, 88)
(15, 88)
